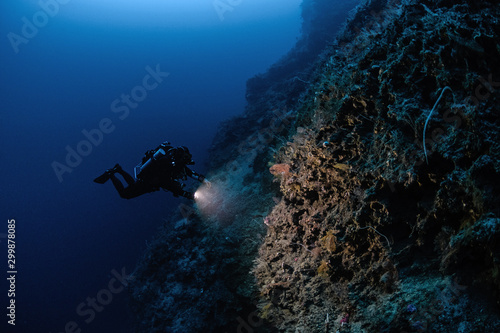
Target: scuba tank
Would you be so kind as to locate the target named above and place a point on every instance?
(159, 153)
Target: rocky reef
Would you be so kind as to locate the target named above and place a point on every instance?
(357, 193)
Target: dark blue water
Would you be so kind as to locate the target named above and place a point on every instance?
(67, 70)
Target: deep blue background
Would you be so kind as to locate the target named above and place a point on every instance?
(71, 234)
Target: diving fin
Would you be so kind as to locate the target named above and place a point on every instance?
(102, 178)
(107, 174)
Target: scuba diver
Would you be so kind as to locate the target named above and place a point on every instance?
(162, 167)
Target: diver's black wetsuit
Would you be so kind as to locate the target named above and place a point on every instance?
(164, 172)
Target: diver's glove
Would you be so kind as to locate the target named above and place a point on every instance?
(207, 183)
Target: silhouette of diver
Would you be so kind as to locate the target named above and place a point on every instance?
(162, 167)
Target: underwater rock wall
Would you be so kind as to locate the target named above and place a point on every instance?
(327, 214)
(372, 232)
(196, 275)
(277, 91)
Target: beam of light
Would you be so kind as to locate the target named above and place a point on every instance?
(215, 203)
(205, 197)
(197, 195)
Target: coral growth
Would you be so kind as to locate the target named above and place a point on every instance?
(361, 235)
(387, 225)
(282, 169)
